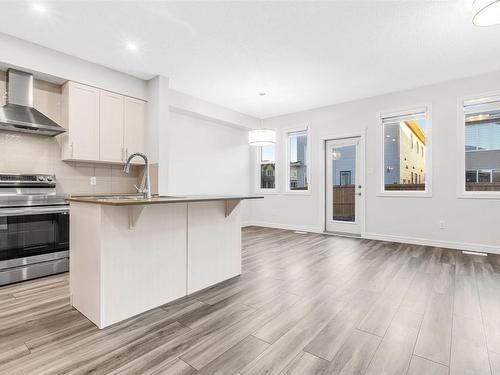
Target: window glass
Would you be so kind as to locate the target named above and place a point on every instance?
(267, 153)
(267, 162)
(404, 164)
(267, 178)
(297, 160)
(482, 146)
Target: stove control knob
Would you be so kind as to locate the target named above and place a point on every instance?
(49, 178)
(40, 178)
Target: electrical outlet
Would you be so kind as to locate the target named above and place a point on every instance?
(442, 224)
(93, 181)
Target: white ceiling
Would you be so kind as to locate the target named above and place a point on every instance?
(303, 54)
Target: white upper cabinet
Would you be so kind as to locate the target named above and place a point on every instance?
(101, 126)
(111, 127)
(81, 120)
(133, 138)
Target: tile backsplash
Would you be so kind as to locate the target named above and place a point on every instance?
(27, 153)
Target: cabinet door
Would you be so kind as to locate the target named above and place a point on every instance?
(83, 122)
(135, 112)
(111, 127)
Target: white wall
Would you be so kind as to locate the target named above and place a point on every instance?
(207, 158)
(470, 223)
(187, 104)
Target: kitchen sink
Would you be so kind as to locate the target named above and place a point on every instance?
(121, 197)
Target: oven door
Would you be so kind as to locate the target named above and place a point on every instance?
(32, 231)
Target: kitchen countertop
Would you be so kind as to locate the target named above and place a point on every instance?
(133, 199)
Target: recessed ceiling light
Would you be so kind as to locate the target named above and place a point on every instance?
(262, 94)
(40, 8)
(486, 12)
(132, 46)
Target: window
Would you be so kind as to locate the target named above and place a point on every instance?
(405, 153)
(297, 157)
(267, 166)
(482, 145)
(345, 177)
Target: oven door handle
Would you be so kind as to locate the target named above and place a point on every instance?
(33, 211)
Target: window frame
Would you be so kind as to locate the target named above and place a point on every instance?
(483, 98)
(286, 157)
(258, 187)
(425, 108)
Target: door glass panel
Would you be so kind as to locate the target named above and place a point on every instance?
(343, 181)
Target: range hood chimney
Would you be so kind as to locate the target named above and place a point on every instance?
(18, 114)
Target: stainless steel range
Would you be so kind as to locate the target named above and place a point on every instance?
(34, 227)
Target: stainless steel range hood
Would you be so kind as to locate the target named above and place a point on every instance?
(18, 114)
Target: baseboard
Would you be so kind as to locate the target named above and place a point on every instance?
(283, 226)
(434, 243)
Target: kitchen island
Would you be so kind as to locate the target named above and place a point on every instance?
(130, 254)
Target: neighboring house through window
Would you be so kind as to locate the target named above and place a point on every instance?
(267, 167)
(405, 141)
(297, 160)
(481, 131)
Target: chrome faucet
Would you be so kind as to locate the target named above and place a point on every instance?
(146, 190)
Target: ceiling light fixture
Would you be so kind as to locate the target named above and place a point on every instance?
(486, 12)
(336, 155)
(261, 137)
(132, 46)
(40, 8)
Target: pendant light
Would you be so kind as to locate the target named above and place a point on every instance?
(486, 12)
(261, 136)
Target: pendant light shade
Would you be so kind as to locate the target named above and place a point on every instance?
(486, 12)
(261, 137)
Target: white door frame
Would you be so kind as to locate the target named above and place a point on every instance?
(322, 175)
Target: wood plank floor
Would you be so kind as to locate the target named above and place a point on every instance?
(305, 304)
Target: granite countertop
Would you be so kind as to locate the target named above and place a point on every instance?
(134, 199)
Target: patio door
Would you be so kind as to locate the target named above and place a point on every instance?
(344, 186)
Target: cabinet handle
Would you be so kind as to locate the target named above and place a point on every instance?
(123, 154)
(126, 153)
(72, 149)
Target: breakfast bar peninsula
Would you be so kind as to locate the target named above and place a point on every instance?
(130, 253)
